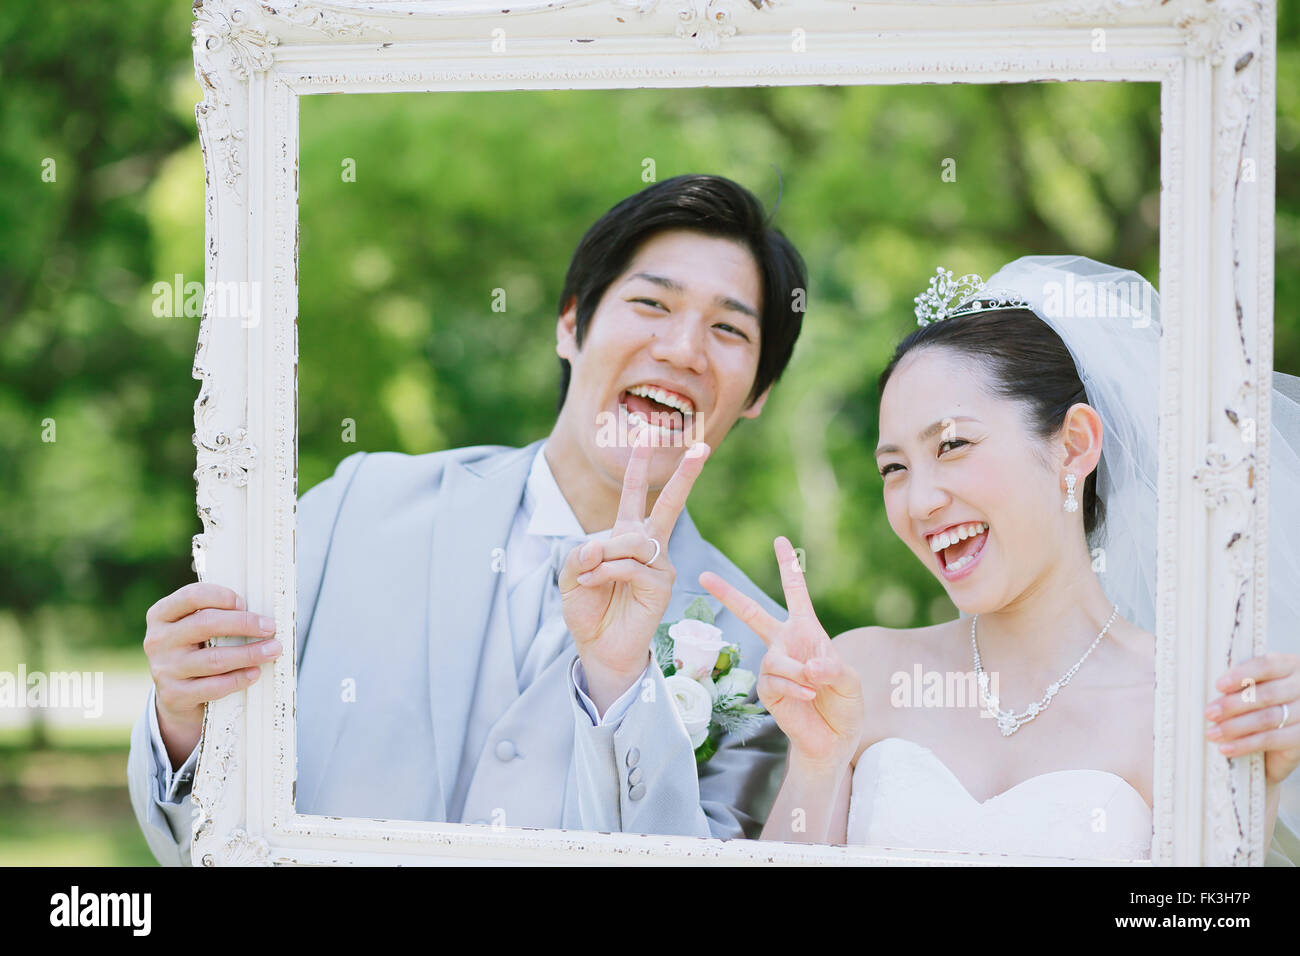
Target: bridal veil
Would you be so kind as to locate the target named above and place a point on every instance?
(1109, 319)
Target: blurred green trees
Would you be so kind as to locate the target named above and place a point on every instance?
(415, 208)
(94, 524)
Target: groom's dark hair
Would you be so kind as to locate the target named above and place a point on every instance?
(713, 206)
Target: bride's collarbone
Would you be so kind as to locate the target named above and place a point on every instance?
(931, 666)
(919, 684)
(917, 689)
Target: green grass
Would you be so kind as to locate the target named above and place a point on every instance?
(68, 804)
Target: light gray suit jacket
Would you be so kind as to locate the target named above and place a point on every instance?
(400, 594)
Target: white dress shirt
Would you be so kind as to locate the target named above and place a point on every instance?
(543, 515)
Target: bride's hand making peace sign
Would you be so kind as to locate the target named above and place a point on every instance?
(814, 695)
(615, 592)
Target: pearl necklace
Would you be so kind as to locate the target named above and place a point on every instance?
(1009, 722)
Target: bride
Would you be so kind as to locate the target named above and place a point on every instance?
(1030, 493)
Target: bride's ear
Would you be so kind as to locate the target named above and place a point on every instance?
(1081, 435)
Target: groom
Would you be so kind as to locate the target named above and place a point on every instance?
(437, 675)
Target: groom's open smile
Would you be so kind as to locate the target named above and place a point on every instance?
(669, 410)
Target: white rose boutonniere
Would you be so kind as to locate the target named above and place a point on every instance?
(694, 706)
(696, 646)
(708, 689)
(737, 682)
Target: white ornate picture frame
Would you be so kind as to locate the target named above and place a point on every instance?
(1215, 63)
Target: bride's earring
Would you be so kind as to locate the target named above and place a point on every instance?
(1071, 503)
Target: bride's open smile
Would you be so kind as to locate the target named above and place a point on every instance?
(958, 547)
(967, 485)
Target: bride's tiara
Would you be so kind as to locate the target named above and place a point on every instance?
(948, 297)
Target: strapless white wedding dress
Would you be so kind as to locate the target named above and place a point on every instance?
(904, 796)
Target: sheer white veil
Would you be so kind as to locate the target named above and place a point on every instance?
(1109, 319)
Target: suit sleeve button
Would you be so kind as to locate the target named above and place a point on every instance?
(506, 751)
(634, 775)
(633, 757)
(637, 792)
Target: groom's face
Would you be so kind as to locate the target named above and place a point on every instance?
(674, 339)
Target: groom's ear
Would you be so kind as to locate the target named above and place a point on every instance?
(1081, 433)
(566, 331)
(754, 409)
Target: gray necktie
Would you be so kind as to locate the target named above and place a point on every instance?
(536, 614)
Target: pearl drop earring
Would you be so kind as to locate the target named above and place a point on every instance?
(1071, 503)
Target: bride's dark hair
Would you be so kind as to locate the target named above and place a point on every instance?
(1026, 361)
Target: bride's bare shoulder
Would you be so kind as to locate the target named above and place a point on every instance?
(888, 648)
(1135, 647)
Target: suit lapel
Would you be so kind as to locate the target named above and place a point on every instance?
(476, 507)
(477, 504)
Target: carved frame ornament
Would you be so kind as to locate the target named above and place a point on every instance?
(1215, 63)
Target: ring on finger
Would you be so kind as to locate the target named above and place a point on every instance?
(655, 542)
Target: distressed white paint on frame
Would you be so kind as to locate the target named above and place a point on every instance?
(1215, 62)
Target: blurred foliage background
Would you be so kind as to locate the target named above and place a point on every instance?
(398, 268)
(456, 195)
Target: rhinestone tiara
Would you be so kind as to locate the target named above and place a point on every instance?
(948, 297)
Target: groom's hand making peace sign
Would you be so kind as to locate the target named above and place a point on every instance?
(615, 592)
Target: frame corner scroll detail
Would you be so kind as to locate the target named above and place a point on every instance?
(228, 48)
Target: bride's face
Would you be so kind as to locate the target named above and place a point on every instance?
(963, 473)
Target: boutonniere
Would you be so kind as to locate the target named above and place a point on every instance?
(707, 687)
